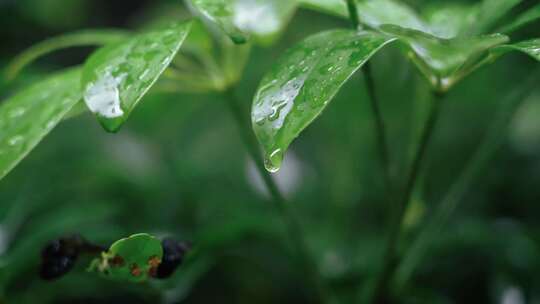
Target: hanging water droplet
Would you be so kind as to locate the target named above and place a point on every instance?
(272, 162)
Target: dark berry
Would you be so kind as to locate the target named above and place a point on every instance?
(56, 267)
(173, 255)
(59, 256)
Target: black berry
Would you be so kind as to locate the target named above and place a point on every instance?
(173, 255)
(59, 256)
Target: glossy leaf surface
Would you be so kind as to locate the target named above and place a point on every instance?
(31, 114)
(529, 47)
(303, 81)
(133, 259)
(116, 77)
(440, 59)
(82, 38)
(240, 19)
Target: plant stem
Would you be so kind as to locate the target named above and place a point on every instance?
(353, 13)
(491, 142)
(292, 223)
(390, 256)
(380, 128)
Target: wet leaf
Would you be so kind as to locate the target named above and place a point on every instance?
(529, 47)
(82, 38)
(525, 18)
(441, 60)
(31, 114)
(240, 19)
(133, 259)
(303, 81)
(117, 76)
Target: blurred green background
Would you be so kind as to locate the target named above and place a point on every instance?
(179, 168)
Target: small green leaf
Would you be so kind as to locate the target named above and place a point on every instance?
(441, 59)
(529, 47)
(82, 38)
(31, 114)
(117, 76)
(240, 19)
(529, 16)
(303, 81)
(133, 259)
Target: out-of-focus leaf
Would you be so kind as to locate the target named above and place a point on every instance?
(117, 76)
(133, 259)
(303, 81)
(448, 20)
(378, 12)
(334, 7)
(491, 11)
(221, 13)
(31, 114)
(441, 59)
(210, 70)
(529, 16)
(240, 19)
(529, 47)
(82, 38)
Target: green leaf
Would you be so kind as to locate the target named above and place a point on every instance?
(117, 76)
(375, 13)
(529, 16)
(82, 38)
(240, 19)
(443, 60)
(491, 11)
(334, 7)
(31, 114)
(303, 81)
(448, 20)
(133, 259)
(221, 13)
(529, 47)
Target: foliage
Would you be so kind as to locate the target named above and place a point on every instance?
(183, 72)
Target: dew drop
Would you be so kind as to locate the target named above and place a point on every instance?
(272, 162)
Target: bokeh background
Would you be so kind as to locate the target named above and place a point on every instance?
(179, 168)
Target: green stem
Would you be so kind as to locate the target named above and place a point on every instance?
(390, 256)
(380, 128)
(490, 144)
(292, 222)
(353, 13)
